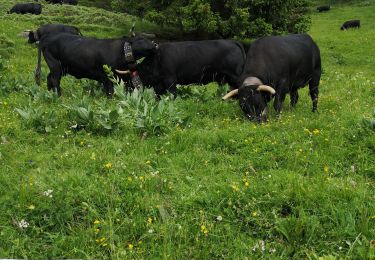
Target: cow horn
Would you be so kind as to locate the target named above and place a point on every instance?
(123, 72)
(132, 34)
(266, 89)
(24, 34)
(230, 94)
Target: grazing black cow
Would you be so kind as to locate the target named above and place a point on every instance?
(47, 29)
(275, 66)
(193, 62)
(323, 8)
(84, 57)
(54, 1)
(70, 2)
(26, 8)
(351, 24)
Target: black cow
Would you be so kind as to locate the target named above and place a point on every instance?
(54, 1)
(26, 8)
(275, 66)
(70, 2)
(49, 29)
(323, 8)
(84, 57)
(351, 24)
(44, 31)
(190, 62)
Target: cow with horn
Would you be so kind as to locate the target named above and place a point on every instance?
(276, 66)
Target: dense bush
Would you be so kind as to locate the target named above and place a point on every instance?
(241, 18)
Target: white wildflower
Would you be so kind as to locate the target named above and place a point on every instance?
(23, 224)
(48, 193)
(219, 218)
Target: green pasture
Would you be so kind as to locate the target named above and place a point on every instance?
(83, 176)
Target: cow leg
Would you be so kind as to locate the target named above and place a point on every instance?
(170, 85)
(54, 77)
(278, 103)
(159, 89)
(314, 89)
(53, 82)
(294, 98)
(108, 87)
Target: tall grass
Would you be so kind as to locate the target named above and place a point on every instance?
(216, 187)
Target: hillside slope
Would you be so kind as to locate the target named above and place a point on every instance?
(213, 186)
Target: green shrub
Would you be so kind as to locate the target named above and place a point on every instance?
(148, 115)
(36, 117)
(101, 119)
(224, 18)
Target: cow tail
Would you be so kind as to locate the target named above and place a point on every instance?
(37, 69)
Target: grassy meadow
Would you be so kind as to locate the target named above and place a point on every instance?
(82, 176)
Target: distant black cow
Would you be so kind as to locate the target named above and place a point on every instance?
(70, 2)
(26, 8)
(54, 1)
(275, 66)
(351, 24)
(193, 62)
(84, 57)
(323, 8)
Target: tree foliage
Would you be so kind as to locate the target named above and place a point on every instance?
(225, 18)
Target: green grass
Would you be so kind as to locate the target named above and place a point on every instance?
(217, 187)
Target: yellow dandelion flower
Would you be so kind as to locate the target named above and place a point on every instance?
(235, 188)
(204, 230)
(108, 165)
(326, 168)
(96, 222)
(142, 178)
(373, 217)
(130, 179)
(149, 220)
(254, 214)
(130, 246)
(31, 207)
(82, 143)
(316, 131)
(148, 162)
(247, 184)
(96, 230)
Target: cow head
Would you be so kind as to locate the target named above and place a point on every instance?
(142, 47)
(253, 100)
(32, 37)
